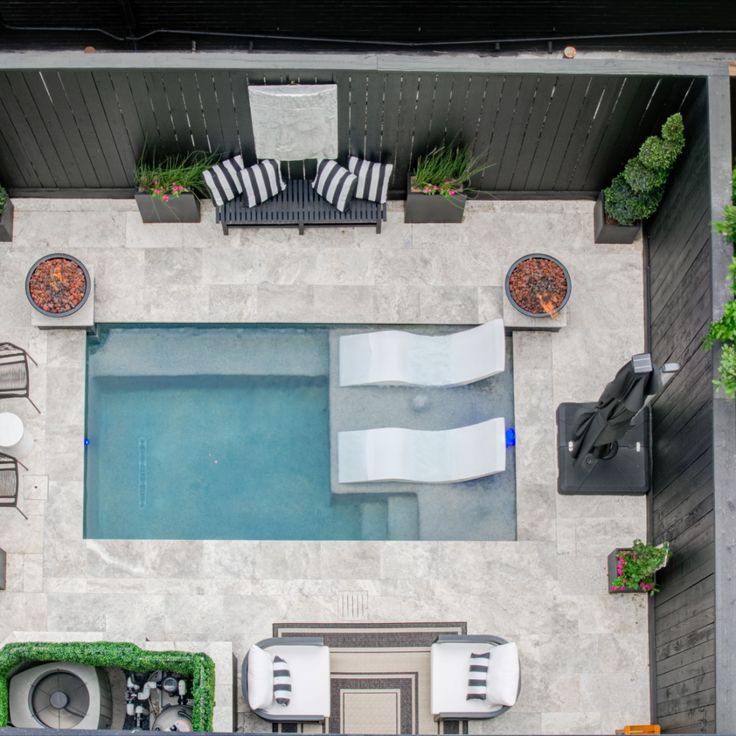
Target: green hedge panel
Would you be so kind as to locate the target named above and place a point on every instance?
(125, 655)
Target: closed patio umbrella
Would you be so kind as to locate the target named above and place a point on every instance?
(596, 431)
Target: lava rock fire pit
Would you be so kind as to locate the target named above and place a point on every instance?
(538, 285)
(58, 285)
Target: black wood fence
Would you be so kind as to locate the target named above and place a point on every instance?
(74, 133)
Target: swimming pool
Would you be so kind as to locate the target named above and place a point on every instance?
(222, 432)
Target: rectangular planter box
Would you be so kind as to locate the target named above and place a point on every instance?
(426, 208)
(6, 223)
(184, 208)
(607, 233)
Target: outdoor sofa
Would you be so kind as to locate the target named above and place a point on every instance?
(308, 663)
(450, 660)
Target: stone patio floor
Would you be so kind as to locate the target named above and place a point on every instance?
(584, 652)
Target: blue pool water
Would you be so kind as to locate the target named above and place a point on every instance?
(224, 433)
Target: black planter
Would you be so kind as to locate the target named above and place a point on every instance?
(609, 233)
(87, 289)
(2, 569)
(507, 286)
(184, 208)
(426, 208)
(6, 223)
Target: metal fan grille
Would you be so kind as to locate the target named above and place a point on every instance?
(60, 700)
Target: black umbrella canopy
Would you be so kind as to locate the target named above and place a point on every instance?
(596, 432)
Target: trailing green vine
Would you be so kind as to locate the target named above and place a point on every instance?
(127, 656)
(724, 330)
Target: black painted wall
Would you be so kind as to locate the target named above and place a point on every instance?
(384, 21)
(82, 131)
(680, 304)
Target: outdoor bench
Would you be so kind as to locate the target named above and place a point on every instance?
(299, 205)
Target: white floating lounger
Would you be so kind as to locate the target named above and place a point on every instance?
(398, 357)
(421, 456)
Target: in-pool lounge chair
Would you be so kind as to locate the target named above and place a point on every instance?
(450, 662)
(398, 357)
(422, 456)
(308, 662)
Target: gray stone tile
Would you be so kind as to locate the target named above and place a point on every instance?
(396, 303)
(285, 303)
(352, 304)
(448, 305)
(233, 302)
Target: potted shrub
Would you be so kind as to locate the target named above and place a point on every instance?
(438, 189)
(6, 217)
(724, 330)
(169, 188)
(538, 285)
(635, 193)
(632, 569)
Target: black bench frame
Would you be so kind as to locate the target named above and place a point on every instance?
(299, 205)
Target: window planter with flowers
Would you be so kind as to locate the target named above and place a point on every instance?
(169, 188)
(632, 569)
(438, 190)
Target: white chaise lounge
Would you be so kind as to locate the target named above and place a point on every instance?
(422, 456)
(398, 357)
(450, 661)
(308, 662)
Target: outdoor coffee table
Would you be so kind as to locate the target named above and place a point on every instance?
(14, 440)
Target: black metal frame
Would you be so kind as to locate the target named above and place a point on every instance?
(10, 464)
(474, 639)
(11, 354)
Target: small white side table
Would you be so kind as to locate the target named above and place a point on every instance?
(14, 440)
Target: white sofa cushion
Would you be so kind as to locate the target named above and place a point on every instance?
(310, 680)
(503, 674)
(260, 678)
(449, 662)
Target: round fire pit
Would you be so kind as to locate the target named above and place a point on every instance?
(57, 285)
(538, 285)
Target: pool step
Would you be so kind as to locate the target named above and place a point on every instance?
(403, 516)
(374, 519)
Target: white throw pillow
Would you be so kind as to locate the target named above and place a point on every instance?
(503, 675)
(260, 678)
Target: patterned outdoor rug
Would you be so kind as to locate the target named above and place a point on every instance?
(380, 678)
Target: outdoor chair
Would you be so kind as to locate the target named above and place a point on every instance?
(398, 357)
(9, 482)
(308, 662)
(450, 662)
(14, 374)
(422, 456)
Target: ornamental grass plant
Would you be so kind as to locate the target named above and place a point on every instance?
(447, 170)
(635, 567)
(635, 193)
(3, 200)
(172, 176)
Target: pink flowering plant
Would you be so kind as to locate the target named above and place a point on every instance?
(635, 567)
(446, 171)
(171, 176)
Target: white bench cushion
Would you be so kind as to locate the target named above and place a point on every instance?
(310, 681)
(260, 678)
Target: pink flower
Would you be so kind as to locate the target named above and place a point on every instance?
(452, 192)
(165, 198)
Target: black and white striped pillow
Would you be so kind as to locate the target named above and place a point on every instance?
(223, 180)
(372, 179)
(335, 183)
(478, 676)
(281, 681)
(261, 182)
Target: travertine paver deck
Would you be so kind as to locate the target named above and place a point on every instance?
(584, 653)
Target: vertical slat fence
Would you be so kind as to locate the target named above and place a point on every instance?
(68, 132)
